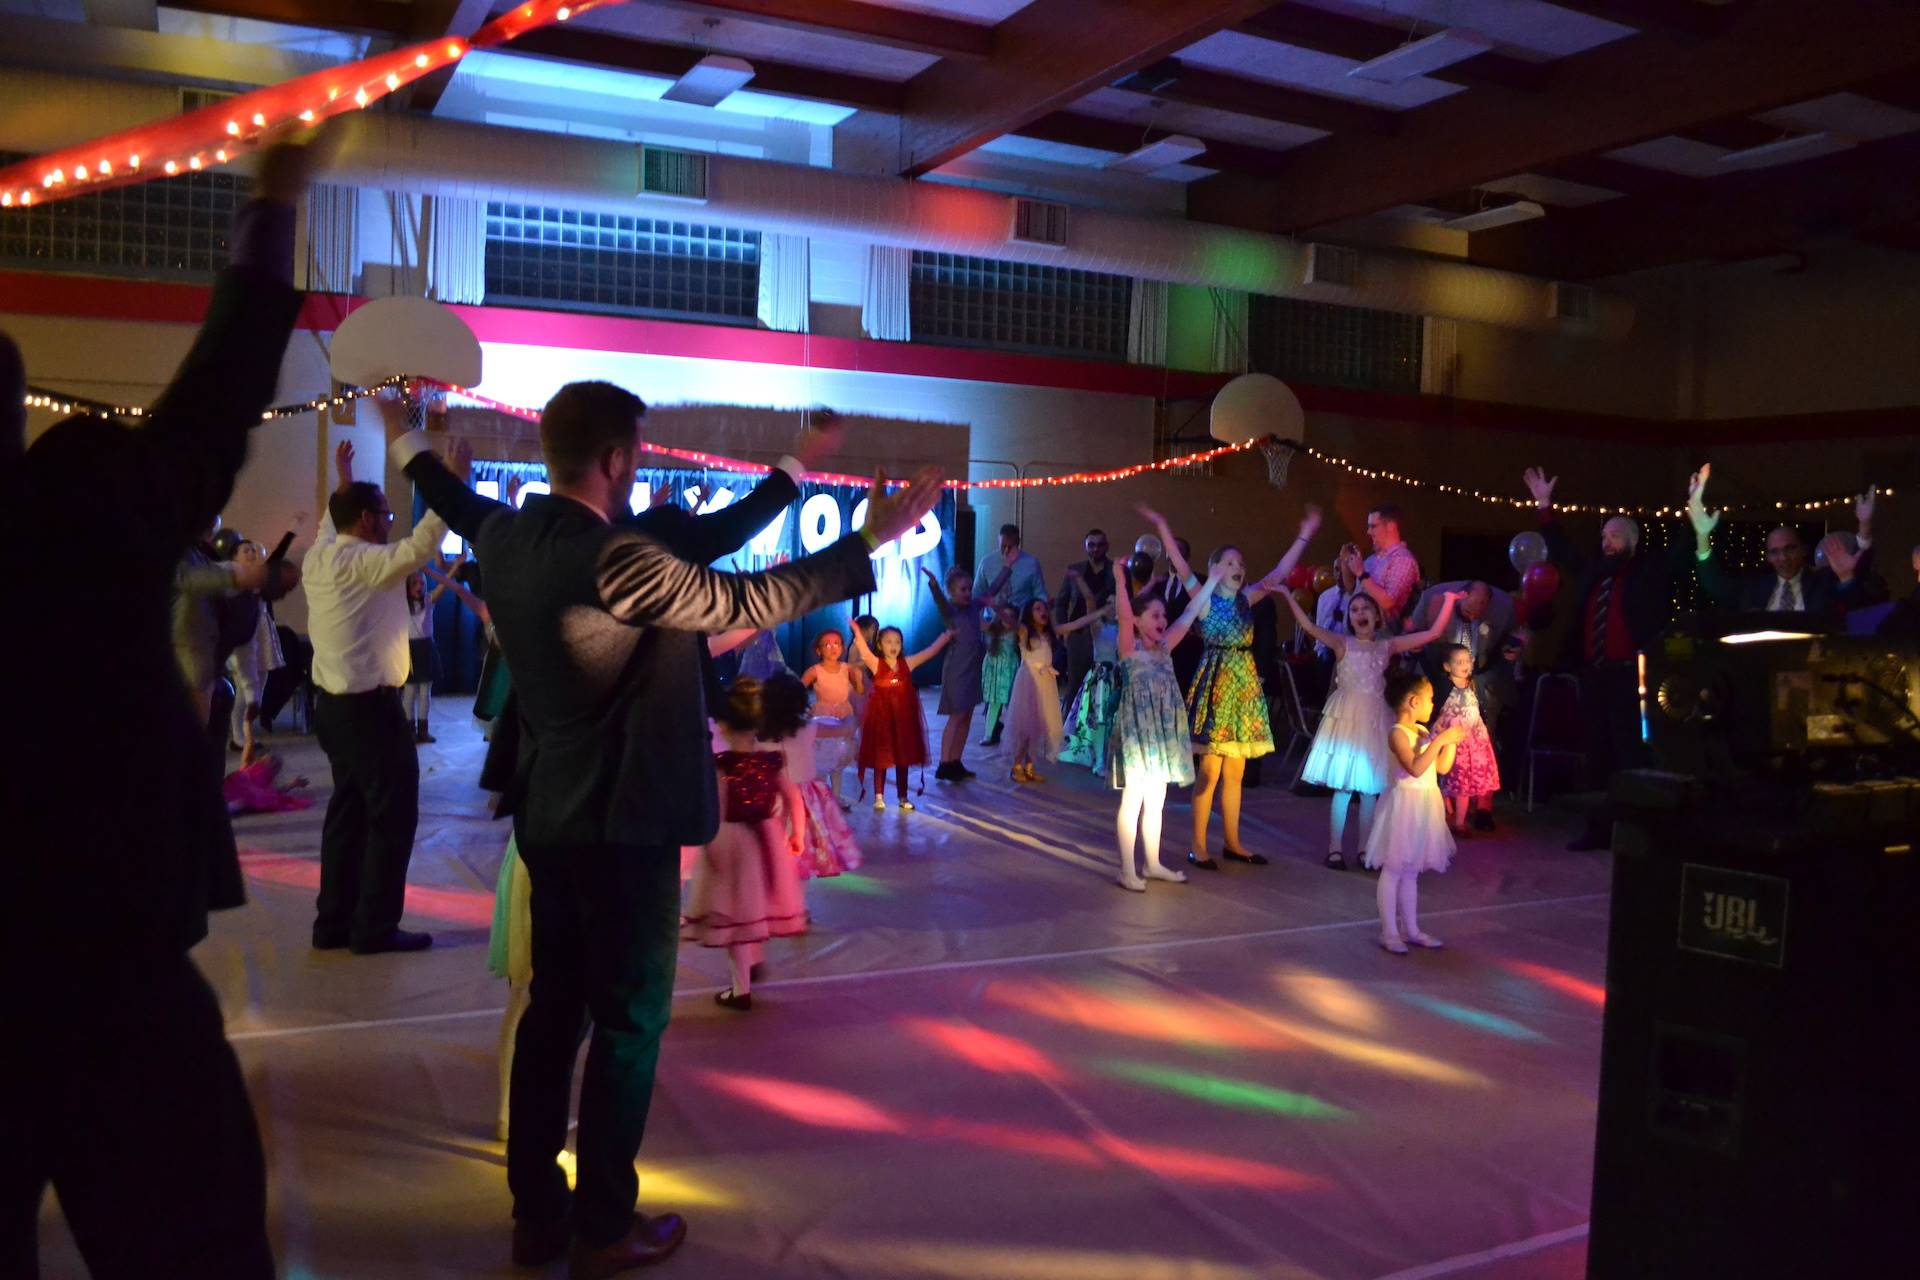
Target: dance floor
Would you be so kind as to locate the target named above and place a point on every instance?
(987, 1060)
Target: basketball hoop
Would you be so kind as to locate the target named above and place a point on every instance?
(1278, 454)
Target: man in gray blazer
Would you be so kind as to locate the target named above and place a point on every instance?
(601, 625)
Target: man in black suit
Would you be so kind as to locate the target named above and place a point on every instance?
(116, 1083)
(601, 626)
(1786, 585)
(1620, 602)
(1097, 572)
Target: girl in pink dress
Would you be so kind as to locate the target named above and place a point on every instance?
(1475, 775)
(893, 733)
(746, 886)
(834, 721)
(828, 845)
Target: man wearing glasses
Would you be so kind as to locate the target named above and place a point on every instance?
(356, 585)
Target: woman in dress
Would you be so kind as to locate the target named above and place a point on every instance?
(1225, 703)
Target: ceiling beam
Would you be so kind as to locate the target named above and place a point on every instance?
(872, 23)
(1693, 18)
(432, 20)
(1742, 215)
(372, 17)
(1331, 33)
(1198, 87)
(1780, 52)
(1125, 137)
(1615, 175)
(1044, 57)
(672, 61)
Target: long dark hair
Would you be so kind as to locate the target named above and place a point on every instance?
(1026, 618)
(783, 706)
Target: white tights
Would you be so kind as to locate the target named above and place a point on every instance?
(1140, 805)
(1398, 897)
(1336, 840)
(418, 700)
(741, 957)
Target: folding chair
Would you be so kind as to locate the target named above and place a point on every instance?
(1562, 724)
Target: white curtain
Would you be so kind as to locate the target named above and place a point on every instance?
(1229, 331)
(885, 311)
(785, 282)
(1147, 323)
(457, 251)
(1439, 356)
(326, 251)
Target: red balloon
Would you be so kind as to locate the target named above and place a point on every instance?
(1539, 585)
(1300, 576)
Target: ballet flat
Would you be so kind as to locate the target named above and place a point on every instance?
(1205, 864)
(1396, 947)
(1426, 940)
(1336, 862)
(730, 1000)
(1251, 859)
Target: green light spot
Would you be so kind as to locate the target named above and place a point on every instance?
(1239, 1095)
(862, 886)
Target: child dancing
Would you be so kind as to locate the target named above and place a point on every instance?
(746, 886)
(1033, 709)
(960, 674)
(1225, 703)
(1089, 722)
(831, 681)
(1410, 834)
(1468, 786)
(893, 733)
(828, 846)
(999, 667)
(1349, 752)
(1152, 743)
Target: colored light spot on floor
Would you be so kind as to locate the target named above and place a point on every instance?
(1466, 1015)
(987, 1050)
(1239, 1095)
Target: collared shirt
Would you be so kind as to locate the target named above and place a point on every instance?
(1789, 594)
(1330, 614)
(1619, 639)
(1397, 573)
(1025, 584)
(357, 603)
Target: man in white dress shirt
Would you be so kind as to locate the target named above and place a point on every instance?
(357, 613)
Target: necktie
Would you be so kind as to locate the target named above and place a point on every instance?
(1792, 597)
(1597, 638)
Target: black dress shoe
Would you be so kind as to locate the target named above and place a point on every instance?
(945, 772)
(651, 1240)
(536, 1243)
(1205, 864)
(1336, 861)
(731, 999)
(397, 940)
(962, 773)
(329, 941)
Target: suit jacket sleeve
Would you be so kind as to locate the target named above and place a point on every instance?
(721, 533)
(1560, 547)
(642, 583)
(463, 509)
(1722, 588)
(195, 438)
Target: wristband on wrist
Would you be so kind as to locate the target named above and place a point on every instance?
(870, 538)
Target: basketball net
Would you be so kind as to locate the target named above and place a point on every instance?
(1278, 454)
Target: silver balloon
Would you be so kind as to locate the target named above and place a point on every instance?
(1526, 550)
(1148, 544)
(1852, 542)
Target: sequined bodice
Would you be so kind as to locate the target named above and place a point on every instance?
(889, 676)
(1227, 623)
(1363, 668)
(753, 783)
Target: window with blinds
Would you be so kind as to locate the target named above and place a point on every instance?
(580, 260)
(1331, 345)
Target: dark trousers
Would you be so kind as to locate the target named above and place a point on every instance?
(118, 1087)
(1079, 662)
(1610, 722)
(367, 839)
(606, 933)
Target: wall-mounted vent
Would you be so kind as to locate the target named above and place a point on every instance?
(673, 175)
(1331, 264)
(1039, 222)
(1570, 301)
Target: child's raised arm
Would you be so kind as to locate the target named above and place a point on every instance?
(1276, 581)
(1085, 619)
(1181, 569)
(728, 641)
(914, 661)
(940, 601)
(1123, 611)
(866, 655)
(1420, 640)
(1332, 639)
(1197, 604)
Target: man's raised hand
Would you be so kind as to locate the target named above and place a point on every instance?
(343, 463)
(1540, 486)
(891, 514)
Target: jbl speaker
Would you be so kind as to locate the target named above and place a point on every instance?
(1757, 1112)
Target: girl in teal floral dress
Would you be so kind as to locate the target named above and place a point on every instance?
(1225, 704)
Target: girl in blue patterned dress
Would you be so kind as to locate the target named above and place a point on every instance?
(1226, 705)
(1151, 744)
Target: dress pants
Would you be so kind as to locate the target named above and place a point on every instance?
(1079, 663)
(118, 1087)
(1610, 720)
(606, 934)
(367, 839)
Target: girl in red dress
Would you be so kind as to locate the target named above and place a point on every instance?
(893, 734)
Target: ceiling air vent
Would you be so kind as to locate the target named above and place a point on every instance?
(1331, 264)
(1039, 222)
(1570, 301)
(670, 174)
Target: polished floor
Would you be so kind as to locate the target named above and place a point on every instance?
(986, 1060)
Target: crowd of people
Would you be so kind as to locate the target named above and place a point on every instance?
(627, 767)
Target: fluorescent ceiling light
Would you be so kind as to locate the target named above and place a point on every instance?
(709, 81)
(1498, 216)
(1786, 148)
(1765, 637)
(1155, 156)
(1417, 58)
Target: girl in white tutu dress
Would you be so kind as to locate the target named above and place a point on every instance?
(1410, 833)
(1349, 752)
(746, 886)
(1033, 712)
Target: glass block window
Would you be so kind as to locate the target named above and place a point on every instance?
(579, 260)
(165, 228)
(1320, 342)
(981, 302)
